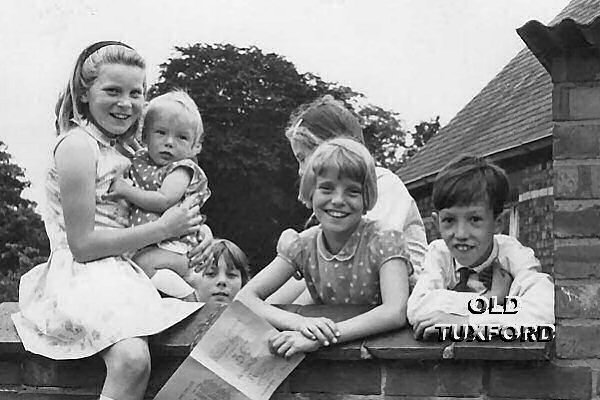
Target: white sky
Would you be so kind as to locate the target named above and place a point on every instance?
(421, 58)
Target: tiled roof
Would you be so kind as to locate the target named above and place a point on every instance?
(514, 108)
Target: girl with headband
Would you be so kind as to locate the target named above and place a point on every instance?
(89, 298)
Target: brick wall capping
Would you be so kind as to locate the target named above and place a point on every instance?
(564, 40)
(179, 340)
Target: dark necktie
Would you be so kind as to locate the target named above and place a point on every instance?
(484, 276)
(461, 286)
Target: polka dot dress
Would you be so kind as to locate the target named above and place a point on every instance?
(352, 275)
(147, 175)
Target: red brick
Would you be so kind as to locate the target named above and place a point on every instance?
(434, 378)
(162, 369)
(573, 342)
(576, 141)
(577, 261)
(10, 372)
(54, 393)
(578, 301)
(326, 376)
(577, 180)
(9, 339)
(41, 371)
(539, 381)
(567, 179)
(581, 223)
(584, 101)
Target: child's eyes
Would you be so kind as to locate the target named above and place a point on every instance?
(184, 138)
(136, 94)
(112, 91)
(476, 219)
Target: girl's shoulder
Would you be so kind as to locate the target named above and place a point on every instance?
(75, 139)
(384, 243)
(292, 236)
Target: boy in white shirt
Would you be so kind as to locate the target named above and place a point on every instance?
(472, 260)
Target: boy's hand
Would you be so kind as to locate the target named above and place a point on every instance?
(322, 329)
(425, 328)
(118, 189)
(288, 343)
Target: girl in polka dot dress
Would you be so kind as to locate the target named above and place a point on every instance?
(346, 259)
(163, 175)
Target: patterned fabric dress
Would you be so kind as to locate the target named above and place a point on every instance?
(73, 310)
(352, 275)
(146, 175)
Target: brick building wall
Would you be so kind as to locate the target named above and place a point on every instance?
(531, 195)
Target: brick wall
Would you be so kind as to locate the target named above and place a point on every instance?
(386, 367)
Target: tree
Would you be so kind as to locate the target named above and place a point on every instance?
(246, 97)
(424, 131)
(23, 241)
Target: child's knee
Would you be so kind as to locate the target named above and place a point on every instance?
(130, 358)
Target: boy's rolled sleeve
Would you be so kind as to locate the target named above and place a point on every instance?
(430, 294)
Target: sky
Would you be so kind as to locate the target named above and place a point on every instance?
(420, 58)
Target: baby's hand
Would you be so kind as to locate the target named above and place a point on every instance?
(118, 189)
(288, 343)
(322, 329)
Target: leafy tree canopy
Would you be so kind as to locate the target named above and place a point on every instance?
(246, 97)
(23, 241)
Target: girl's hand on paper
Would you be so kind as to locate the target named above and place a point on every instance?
(288, 343)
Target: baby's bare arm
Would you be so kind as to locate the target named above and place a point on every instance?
(171, 191)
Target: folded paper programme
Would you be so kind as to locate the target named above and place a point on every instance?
(231, 361)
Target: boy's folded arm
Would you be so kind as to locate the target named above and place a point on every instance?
(534, 292)
(431, 294)
(171, 191)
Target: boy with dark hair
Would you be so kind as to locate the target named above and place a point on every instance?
(472, 259)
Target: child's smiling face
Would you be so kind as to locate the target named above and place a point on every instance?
(337, 202)
(170, 133)
(469, 231)
(116, 97)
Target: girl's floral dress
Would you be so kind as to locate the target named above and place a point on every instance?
(73, 310)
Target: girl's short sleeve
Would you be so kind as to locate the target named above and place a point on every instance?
(386, 245)
(290, 248)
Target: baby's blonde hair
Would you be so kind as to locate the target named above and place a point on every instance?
(350, 159)
(180, 97)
